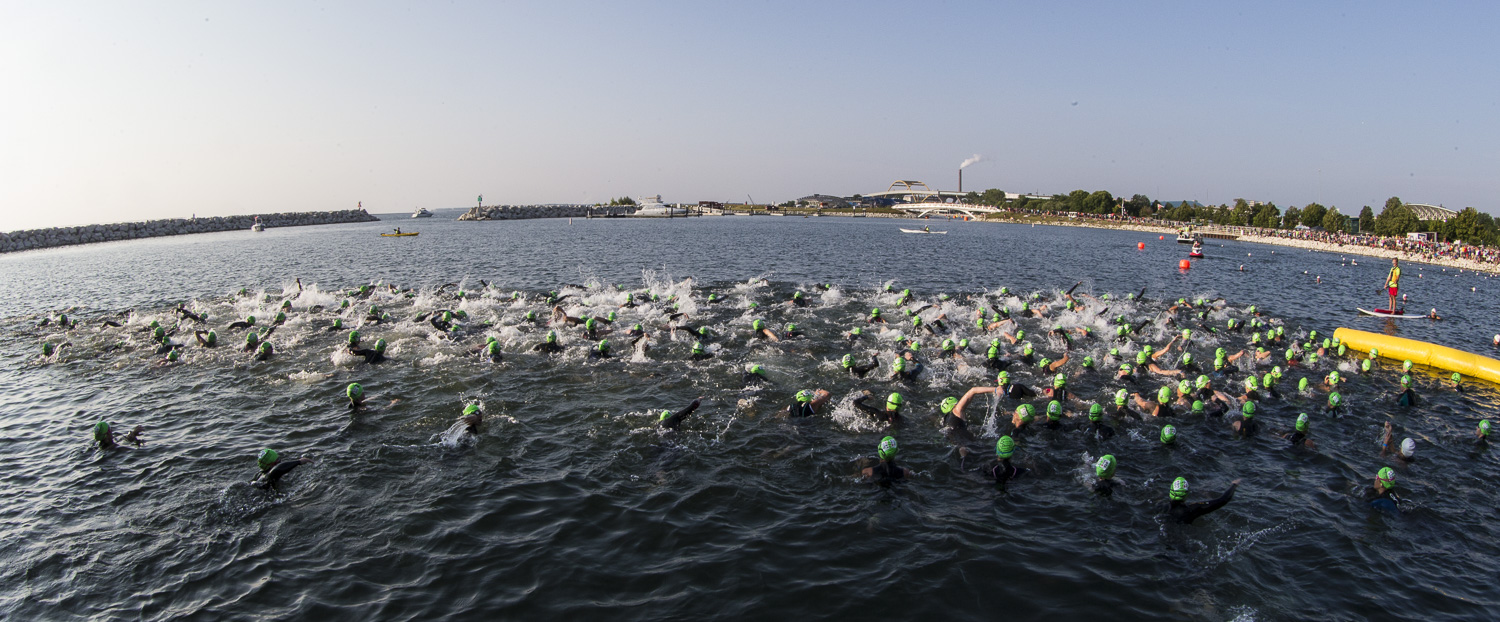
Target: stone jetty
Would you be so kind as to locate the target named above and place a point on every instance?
(521, 212)
(66, 236)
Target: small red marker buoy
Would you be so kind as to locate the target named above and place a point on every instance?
(1184, 264)
(1161, 237)
(1140, 245)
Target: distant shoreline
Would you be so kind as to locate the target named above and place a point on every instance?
(34, 239)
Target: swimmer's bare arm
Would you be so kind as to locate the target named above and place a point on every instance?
(958, 409)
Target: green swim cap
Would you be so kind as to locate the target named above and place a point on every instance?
(1405, 380)
(665, 414)
(1105, 467)
(1069, 305)
(1121, 331)
(847, 361)
(1334, 399)
(1114, 351)
(1268, 380)
(551, 336)
(588, 324)
(898, 365)
(101, 431)
(1484, 428)
(1187, 333)
(947, 345)
(1302, 422)
(791, 328)
(1179, 489)
(1027, 349)
(267, 458)
(280, 317)
(1026, 412)
(894, 401)
(1120, 397)
(1251, 383)
(887, 448)
(172, 354)
(963, 343)
(1248, 409)
(1088, 362)
(804, 395)
(1054, 410)
(916, 320)
(1341, 349)
(1187, 358)
(1025, 306)
(1255, 337)
(1164, 395)
(1059, 381)
(1406, 365)
(47, 348)
(380, 346)
(1042, 364)
(252, 338)
(265, 348)
(1333, 377)
(342, 305)
(160, 334)
(756, 369)
(1140, 358)
(604, 345)
(471, 409)
(857, 331)
(1276, 372)
(353, 337)
(915, 346)
(493, 349)
(1456, 378)
(1021, 334)
(1168, 434)
(1184, 387)
(697, 347)
(355, 392)
(1387, 476)
(1005, 447)
(1182, 301)
(758, 325)
(1201, 381)
(1002, 378)
(1302, 384)
(1374, 352)
(250, 319)
(1365, 365)
(1198, 407)
(1095, 412)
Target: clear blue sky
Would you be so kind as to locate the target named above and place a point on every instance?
(120, 111)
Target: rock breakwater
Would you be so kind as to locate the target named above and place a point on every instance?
(66, 236)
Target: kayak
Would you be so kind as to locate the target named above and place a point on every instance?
(919, 231)
(396, 235)
(1388, 313)
(1195, 255)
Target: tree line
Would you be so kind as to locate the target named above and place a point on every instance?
(1396, 219)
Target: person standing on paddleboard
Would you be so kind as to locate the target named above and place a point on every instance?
(1393, 284)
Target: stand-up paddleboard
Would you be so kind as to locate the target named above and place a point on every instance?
(919, 231)
(1388, 313)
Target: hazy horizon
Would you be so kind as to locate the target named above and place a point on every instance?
(121, 112)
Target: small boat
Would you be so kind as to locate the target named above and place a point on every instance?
(1197, 251)
(257, 227)
(1184, 237)
(421, 213)
(904, 230)
(398, 234)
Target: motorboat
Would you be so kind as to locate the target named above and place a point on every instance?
(257, 226)
(652, 207)
(905, 230)
(421, 213)
(1184, 237)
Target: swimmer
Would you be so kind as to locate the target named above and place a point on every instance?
(1482, 433)
(1245, 426)
(791, 332)
(890, 414)
(670, 420)
(273, 468)
(854, 333)
(561, 317)
(472, 417)
(797, 300)
(758, 330)
(1021, 419)
(1384, 487)
(807, 403)
(875, 317)
(859, 371)
(905, 368)
(1104, 473)
(248, 322)
(1002, 471)
(1184, 512)
(1012, 390)
(262, 352)
(1407, 396)
(1168, 436)
(207, 339)
(600, 350)
(184, 314)
(1160, 407)
(372, 356)
(1406, 452)
(698, 353)
(1298, 435)
(755, 374)
(549, 344)
(106, 437)
(356, 394)
(886, 471)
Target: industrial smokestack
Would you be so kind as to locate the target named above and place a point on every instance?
(960, 181)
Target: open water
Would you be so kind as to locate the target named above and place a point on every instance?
(571, 504)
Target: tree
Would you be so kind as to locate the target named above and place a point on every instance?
(993, 196)
(1472, 227)
(1099, 202)
(1138, 205)
(970, 197)
(1334, 221)
(1292, 217)
(1312, 215)
(1266, 215)
(1396, 221)
(1392, 203)
(1366, 220)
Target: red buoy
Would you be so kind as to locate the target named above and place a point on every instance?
(1161, 237)
(1140, 245)
(1184, 264)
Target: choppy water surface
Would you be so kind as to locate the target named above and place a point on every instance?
(570, 503)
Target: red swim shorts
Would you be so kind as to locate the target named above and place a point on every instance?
(1392, 290)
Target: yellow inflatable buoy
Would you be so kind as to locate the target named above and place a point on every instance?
(1422, 353)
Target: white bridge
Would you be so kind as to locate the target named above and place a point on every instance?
(929, 201)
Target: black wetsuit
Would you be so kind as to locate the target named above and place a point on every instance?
(886, 471)
(1003, 471)
(1103, 487)
(801, 409)
(241, 324)
(547, 346)
(1296, 438)
(859, 371)
(751, 378)
(1407, 398)
(270, 477)
(958, 429)
(912, 369)
(879, 414)
(1016, 391)
(371, 356)
(671, 423)
(1100, 430)
(1186, 513)
(1248, 427)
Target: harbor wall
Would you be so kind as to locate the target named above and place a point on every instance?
(522, 212)
(31, 239)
